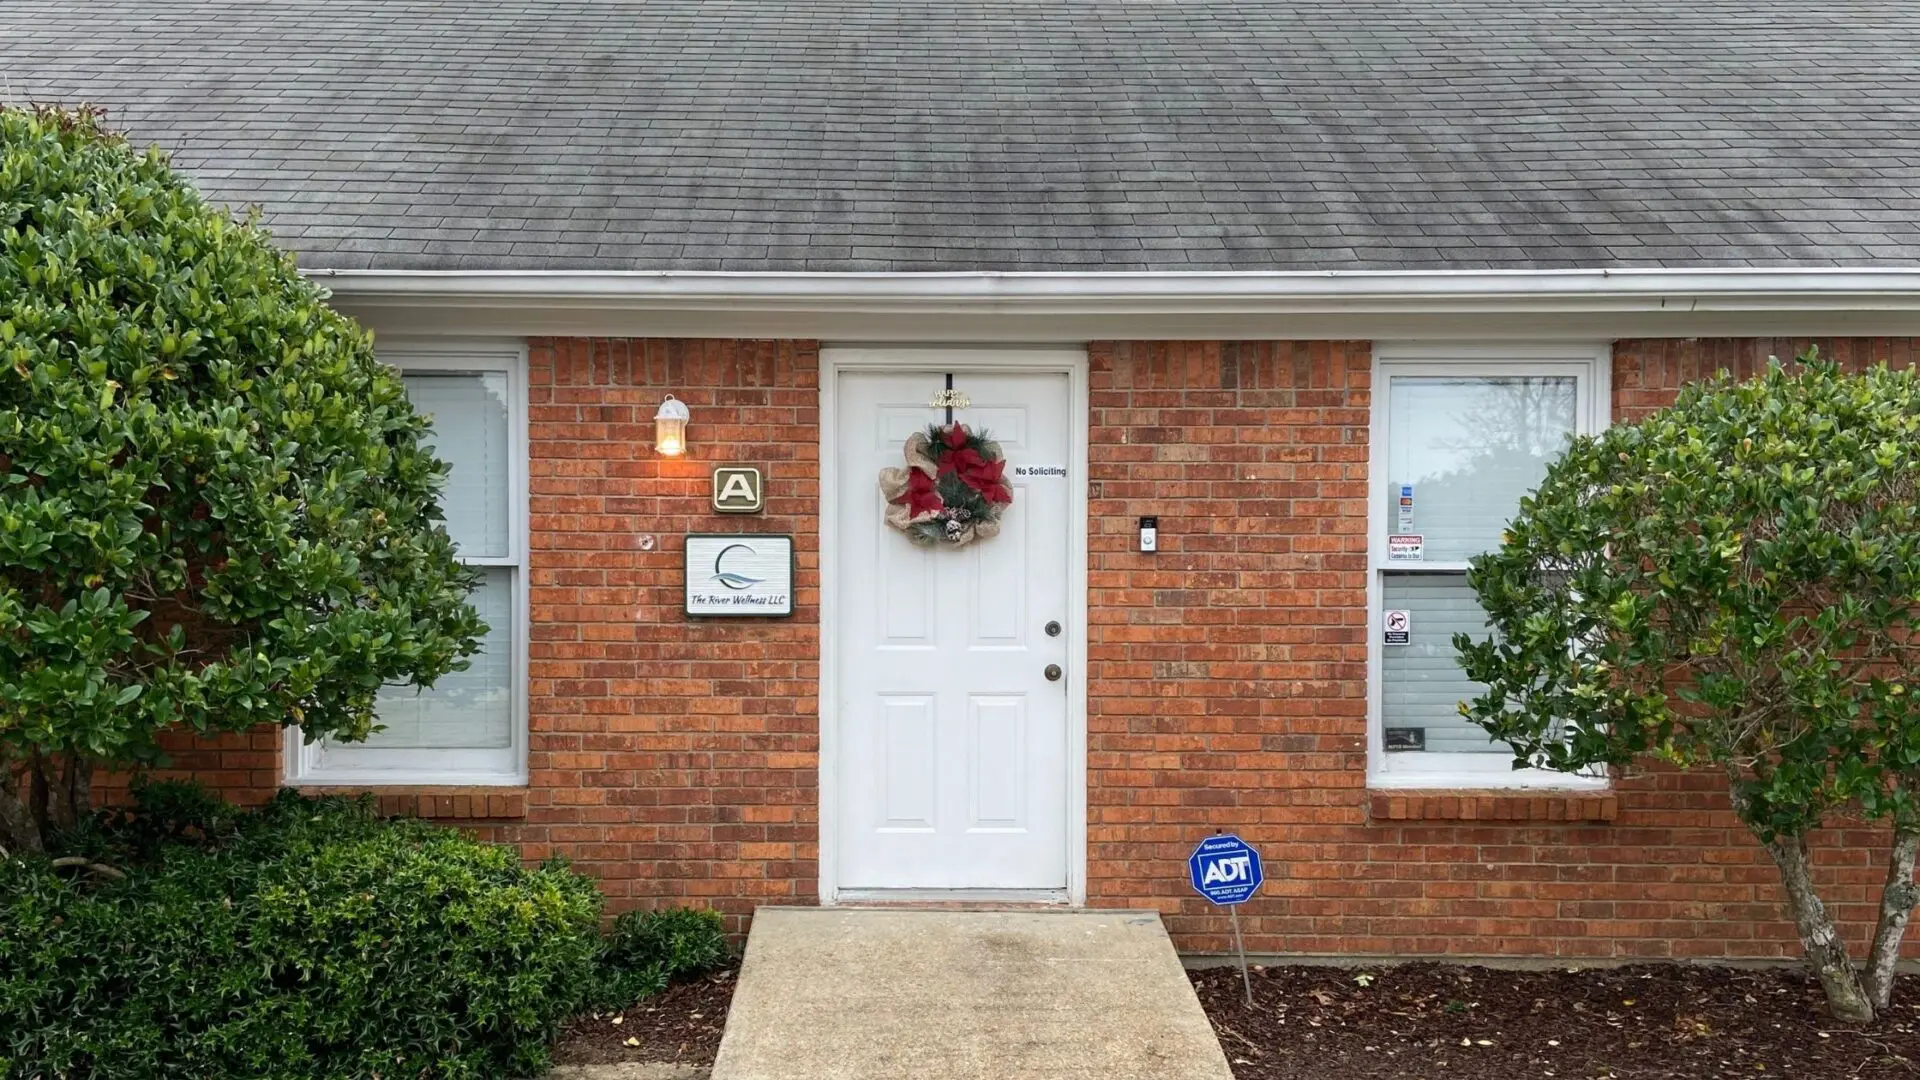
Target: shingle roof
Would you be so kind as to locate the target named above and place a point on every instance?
(1020, 135)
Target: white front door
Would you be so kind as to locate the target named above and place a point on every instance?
(951, 762)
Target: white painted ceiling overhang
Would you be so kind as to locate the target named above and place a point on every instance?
(1078, 307)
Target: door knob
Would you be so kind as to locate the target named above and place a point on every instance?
(1053, 672)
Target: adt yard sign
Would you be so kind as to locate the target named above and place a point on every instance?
(1225, 870)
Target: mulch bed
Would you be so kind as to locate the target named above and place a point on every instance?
(1653, 1022)
(681, 1025)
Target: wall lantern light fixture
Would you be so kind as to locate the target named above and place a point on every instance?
(670, 427)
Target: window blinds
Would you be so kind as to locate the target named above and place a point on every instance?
(470, 432)
(471, 709)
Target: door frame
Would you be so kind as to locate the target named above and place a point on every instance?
(1071, 362)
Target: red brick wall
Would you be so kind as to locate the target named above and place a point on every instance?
(674, 758)
(1228, 691)
(677, 760)
(1647, 373)
(1227, 672)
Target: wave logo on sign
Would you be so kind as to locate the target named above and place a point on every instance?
(729, 578)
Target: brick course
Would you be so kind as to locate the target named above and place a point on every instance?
(677, 759)
(1228, 690)
(674, 758)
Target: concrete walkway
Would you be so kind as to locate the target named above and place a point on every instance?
(882, 994)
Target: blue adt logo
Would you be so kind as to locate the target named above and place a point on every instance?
(1225, 870)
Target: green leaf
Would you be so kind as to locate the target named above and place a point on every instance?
(1728, 584)
(220, 508)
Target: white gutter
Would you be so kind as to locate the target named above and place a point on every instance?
(1203, 291)
(1152, 304)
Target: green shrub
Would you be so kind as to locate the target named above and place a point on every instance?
(306, 939)
(1732, 585)
(646, 950)
(216, 507)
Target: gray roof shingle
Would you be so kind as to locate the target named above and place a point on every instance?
(902, 135)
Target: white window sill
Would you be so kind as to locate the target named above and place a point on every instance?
(1428, 771)
(369, 778)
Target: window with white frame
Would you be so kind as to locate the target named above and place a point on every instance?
(1459, 436)
(470, 727)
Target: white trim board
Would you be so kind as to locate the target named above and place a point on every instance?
(1074, 364)
(1041, 898)
(1565, 305)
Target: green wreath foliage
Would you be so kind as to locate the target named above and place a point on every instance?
(962, 500)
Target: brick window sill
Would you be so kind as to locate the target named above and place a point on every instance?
(1495, 805)
(437, 803)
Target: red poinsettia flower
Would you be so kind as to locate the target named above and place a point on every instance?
(920, 495)
(957, 436)
(989, 480)
(962, 461)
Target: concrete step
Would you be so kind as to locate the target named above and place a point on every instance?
(891, 994)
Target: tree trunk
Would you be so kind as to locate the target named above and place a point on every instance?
(1826, 952)
(1897, 900)
(42, 796)
(19, 827)
(38, 796)
(71, 796)
(80, 788)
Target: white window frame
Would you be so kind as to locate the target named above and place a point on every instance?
(367, 766)
(1592, 367)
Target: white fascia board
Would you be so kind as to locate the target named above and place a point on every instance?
(1080, 306)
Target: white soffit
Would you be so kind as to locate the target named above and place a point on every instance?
(1076, 307)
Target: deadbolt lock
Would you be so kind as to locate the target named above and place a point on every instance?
(1053, 629)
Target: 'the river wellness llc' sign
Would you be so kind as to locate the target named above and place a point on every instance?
(739, 574)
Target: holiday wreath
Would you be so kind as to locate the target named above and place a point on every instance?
(953, 489)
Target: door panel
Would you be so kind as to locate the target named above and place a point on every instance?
(997, 768)
(951, 741)
(907, 763)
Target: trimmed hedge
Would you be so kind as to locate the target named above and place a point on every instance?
(305, 939)
(646, 950)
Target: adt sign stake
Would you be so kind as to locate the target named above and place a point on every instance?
(1225, 870)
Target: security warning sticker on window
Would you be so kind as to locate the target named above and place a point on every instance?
(1396, 627)
(1404, 738)
(1406, 547)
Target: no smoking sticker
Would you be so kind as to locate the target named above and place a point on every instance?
(1396, 627)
